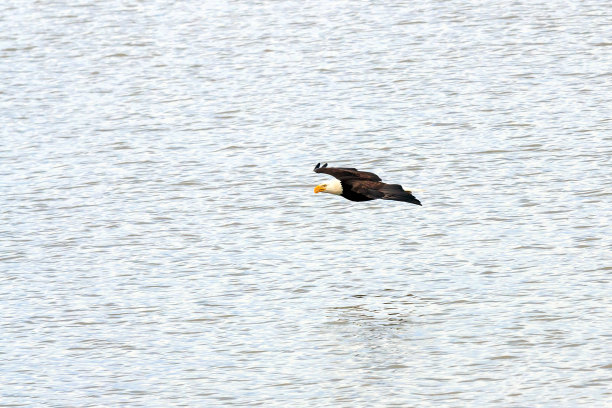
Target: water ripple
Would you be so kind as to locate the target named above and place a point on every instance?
(161, 244)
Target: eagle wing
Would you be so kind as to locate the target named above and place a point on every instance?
(384, 191)
(344, 173)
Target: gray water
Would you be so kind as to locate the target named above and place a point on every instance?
(161, 244)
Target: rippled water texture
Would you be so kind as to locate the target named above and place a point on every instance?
(161, 244)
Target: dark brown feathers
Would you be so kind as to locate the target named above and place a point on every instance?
(364, 186)
(343, 173)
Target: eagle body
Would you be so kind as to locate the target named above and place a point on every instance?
(350, 194)
(355, 185)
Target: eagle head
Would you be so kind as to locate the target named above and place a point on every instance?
(332, 187)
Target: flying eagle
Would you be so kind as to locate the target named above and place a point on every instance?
(356, 185)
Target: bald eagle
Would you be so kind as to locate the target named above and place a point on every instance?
(356, 185)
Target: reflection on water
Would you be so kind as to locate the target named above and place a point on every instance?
(161, 244)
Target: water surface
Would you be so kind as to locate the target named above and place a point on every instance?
(161, 245)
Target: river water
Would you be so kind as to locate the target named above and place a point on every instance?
(161, 244)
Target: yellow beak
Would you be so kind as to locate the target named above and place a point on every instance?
(319, 188)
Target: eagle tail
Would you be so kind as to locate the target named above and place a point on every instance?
(406, 197)
(395, 192)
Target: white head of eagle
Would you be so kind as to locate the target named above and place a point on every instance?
(331, 187)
